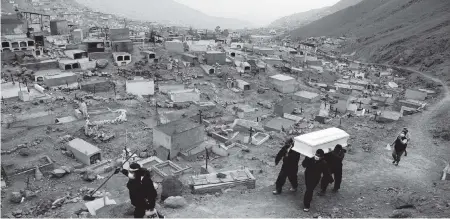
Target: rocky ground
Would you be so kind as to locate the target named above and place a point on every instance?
(372, 186)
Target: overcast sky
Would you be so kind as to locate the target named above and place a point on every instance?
(259, 12)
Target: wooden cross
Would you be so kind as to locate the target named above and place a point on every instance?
(251, 134)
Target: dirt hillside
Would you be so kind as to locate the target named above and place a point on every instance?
(402, 32)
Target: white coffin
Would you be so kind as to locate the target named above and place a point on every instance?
(326, 139)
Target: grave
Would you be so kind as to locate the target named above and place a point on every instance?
(99, 203)
(187, 95)
(292, 117)
(389, 116)
(283, 83)
(306, 96)
(84, 152)
(284, 106)
(140, 87)
(259, 138)
(415, 94)
(210, 183)
(276, 124)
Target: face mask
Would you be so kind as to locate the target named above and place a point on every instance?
(316, 158)
(131, 176)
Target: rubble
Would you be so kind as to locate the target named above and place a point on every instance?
(175, 202)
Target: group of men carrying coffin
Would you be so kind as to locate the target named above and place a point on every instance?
(323, 168)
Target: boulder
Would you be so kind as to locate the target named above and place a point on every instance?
(89, 176)
(58, 173)
(16, 197)
(171, 186)
(143, 154)
(102, 63)
(24, 152)
(402, 213)
(66, 168)
(405, 200)
(175, 202)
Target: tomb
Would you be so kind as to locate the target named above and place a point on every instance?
(415, 94)
(283, 83)
(178, 136)
(279, 123)
(140, 87)
(187, 95)
(210, 183)
(306, 97)
(284, 106)
(84, 152)
(122, 58)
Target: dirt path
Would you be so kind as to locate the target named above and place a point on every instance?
(370, 181)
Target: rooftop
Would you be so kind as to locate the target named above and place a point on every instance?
(121, 54)
(281, 77)
(177, 126)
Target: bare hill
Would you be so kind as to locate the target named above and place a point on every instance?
(163, 11)
(303, 18)
(405, 32)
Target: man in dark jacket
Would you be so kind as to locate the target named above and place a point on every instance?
(142, 191)
(289, 168)
(399, 148)
(334, 161)
(315, 168)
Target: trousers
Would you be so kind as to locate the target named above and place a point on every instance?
(397, 155)
(140, 213)
(337, 175)
(307, 198)
(281, 180)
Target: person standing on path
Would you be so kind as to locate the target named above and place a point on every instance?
(315, 168)
(399, 148)
(289, 169)
(142, 191)
(334, 161)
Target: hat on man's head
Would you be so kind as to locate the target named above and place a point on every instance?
(320, 152)
(134, 167)
(338, 147)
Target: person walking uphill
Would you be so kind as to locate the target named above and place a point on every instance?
(315, 168)
(142, 191)
(399, 148)
(334, 161)
(289, 168)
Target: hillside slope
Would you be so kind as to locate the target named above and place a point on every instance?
(303, 18)
(405, 32)
(163, 11)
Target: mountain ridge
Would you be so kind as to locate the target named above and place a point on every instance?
(303, 18)
(167, 10)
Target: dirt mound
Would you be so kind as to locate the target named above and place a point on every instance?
(124, 210)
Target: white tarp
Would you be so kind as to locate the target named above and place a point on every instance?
(326, 139)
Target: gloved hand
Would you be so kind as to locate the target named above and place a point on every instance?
(117, 170)
(150, 212)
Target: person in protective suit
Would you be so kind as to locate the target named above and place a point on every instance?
(141, 189)
(334, 161)
(289, 168)
(315, 168)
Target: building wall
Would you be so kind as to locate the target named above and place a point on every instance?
(119, 34)
(122, 46)
(284, 86)
(213, 58)
(98, 86)
(61, 80)
(280, 110)
(41, 65)
(186, 140)
(59, 28)
(12, 29)
(161, 139)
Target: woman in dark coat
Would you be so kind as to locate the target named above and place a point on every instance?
(289, 168)
(142, 191)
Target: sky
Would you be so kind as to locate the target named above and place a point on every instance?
(259, 12)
